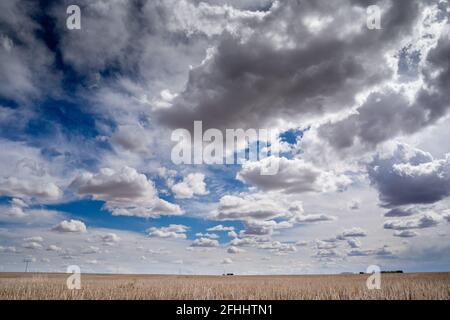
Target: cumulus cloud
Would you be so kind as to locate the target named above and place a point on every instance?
(278, 246)
(91, 250)
(131, 138)
(257, 206)
(26, 63)
(220, 228)
(262, 213)
(173, 231)
(193, 184)
(426, 220)
(410, 176)
(34, 239)
(207, 235)
(53, 247)
(389, 113)
(32, 245)
(205, 243)
(292, 70)
(354, 205)
(235, 250)
(293, 176)
(9, 249)
(382, 252)
(33, 188)
(125, 191)
(353, 243)
(405, 233)
(73, 226)
(400, 212)
(352, 233)
(110, 238)
(309, 218)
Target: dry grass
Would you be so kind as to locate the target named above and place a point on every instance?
(393, 286)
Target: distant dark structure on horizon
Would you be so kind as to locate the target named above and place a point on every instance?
(228, 274)
(395, 271)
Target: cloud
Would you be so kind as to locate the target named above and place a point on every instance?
(173, 231)
(384, 251)
(91, 250)
(32, 245)
(405, 234)
(125, 191)
(232, 234)
(310, 218)
(9, 249)
(192, 184)
(34, 239)
(235, 250)
(325, 245)
(354, 205)
(73, 226)
(205, 243)
(110, 238)
(352, 233)
(53, 247)
(354, 243)
(301, 243)
(26, 63)
(291, 71)
(258, 206)
(426, 220)
(388, 114)
(227, 261)
(131, 138)
(400, 212)
(410, 176)
(262, 213)
(22, 188)
(207, 235)
(220, 228)
(293, 176)
(327, 254)
(258, 228)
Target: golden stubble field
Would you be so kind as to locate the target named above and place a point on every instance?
(167, 287)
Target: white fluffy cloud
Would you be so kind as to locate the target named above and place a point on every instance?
(235, 250)
(293, 176)
(220, 228)
(35, 188)
(205, 243)
(174, 231)
(125, 191)
(71, 225)
(425, 220)
(352, 233)
(260, 206)
(32, 245)
(405, 233)
(110, 238)
(193, 184)
(53, 247)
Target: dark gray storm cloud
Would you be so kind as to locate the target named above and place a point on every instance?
(305, 58)
(389, 114)
(410, 176)
(26, 63)
(400, 212)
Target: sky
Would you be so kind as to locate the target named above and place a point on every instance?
(87, 118)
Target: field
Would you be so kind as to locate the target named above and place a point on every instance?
(393, 286)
